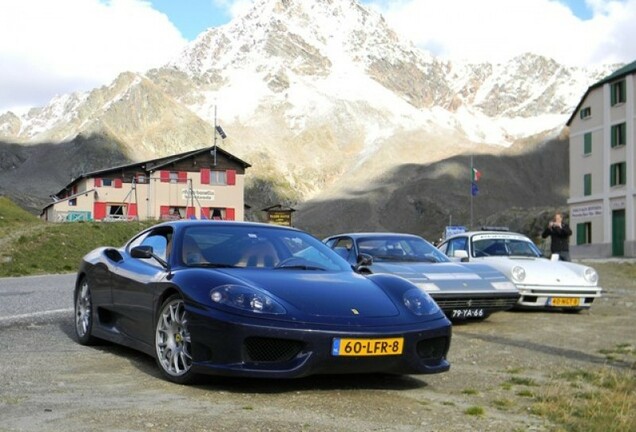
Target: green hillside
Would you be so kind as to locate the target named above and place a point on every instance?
(29, 246)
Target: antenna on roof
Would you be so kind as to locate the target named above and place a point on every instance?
(218, 130)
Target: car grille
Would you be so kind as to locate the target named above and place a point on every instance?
(432, 349)
(490, 303)
(258, 349)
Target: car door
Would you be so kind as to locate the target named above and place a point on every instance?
(134, 282)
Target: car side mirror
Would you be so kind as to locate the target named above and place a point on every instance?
(145, 252)
(362, 261)
(461, 254)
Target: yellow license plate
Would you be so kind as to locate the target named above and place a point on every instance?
(564, 301)
(367, 347)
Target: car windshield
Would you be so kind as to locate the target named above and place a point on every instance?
(395, 248)
(505, 247)
(244, 246)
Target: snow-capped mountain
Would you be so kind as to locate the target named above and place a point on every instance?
(312, 91)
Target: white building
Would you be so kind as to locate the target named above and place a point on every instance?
(602, 162)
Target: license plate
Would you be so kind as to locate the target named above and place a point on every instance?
(367, 347)
(564, 301)
(467, 313)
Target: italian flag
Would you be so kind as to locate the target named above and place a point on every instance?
(476, 174)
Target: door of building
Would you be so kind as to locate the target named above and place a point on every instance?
(618, 232)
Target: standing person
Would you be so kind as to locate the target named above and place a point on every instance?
(559, 233)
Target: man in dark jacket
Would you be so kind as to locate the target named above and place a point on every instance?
(559, 233)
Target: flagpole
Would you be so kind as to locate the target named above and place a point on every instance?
(471, 191)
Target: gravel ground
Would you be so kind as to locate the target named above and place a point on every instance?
(48, 382)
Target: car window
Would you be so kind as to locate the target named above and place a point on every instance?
(455, 244)
(504, 247)
(396, 248)
(344, 247)
(160, 240)
(257, 247)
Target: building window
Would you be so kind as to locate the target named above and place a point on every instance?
(72, 202)
(141, 178)
(618, 174)
(218, 177)
(587, 143)
(585, 113)
(107, 182)
(619, 134)
(618, 93)
(584, 233)
(587, 184)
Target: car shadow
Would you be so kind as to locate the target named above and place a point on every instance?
(147, 365)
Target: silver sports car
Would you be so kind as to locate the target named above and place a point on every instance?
(462, 291)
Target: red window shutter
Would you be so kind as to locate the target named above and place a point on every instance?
(98, 182)
(118, 183)
(182, 176)
(190, 212)
(229, 214)
(165, 176)
(99, 210)
(205, 213)
(164, 210)
(132, 210)
(231, 177)
(74, 189)
(205, 175)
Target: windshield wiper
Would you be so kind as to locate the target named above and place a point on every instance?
(299, 267)
(212, 265)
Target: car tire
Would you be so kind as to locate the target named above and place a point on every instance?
(84, 315)
(172, 342)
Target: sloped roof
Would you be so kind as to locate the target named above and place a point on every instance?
(617, 74)
(154, 164)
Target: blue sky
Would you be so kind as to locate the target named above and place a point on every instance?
(56, 47)
(192, 17)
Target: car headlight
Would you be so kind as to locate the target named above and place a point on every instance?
(420, 303)
(590, 275)
(518, 274)
(247, 299)
(507, 285)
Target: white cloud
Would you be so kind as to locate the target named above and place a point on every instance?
(51, 47)
(495, 30)
(234, 7)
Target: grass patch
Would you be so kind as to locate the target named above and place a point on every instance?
(503, 404)
(59, 247)
(516, 380)
(475, 411)
(469, 391)
(607, 403)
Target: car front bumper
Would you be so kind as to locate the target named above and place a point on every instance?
(223, 345)
(557, 297)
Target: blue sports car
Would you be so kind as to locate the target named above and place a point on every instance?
(257, 300)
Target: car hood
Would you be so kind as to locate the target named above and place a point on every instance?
(326, 294)
(447, 277)
(542, 271)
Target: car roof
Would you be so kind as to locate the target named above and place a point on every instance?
(502, 234)
(357, 235)
(183, 223)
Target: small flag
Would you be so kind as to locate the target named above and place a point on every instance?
(474, 190)
(476, 175)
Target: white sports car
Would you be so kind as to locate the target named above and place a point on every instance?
(542, 282)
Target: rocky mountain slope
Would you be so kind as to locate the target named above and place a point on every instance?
(315, 95)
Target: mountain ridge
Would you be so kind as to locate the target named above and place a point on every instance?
(314, 95)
